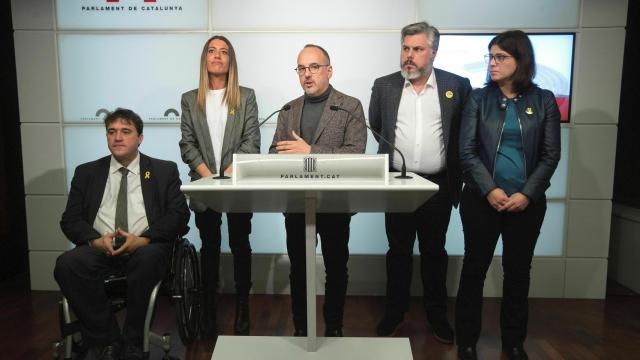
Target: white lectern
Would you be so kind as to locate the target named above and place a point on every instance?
(311, 184)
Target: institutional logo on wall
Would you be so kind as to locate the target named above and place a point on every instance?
(124, 6)
(170, 115)
(132, 14)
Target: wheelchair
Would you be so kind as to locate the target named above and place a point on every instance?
(182, 285)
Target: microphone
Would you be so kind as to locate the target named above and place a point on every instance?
(221, 174)
(403, 173)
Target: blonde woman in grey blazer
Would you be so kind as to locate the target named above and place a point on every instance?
(220, 118)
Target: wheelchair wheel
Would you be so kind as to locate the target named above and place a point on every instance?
(187, 292)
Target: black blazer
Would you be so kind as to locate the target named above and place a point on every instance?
(383, 115)
(165, 205)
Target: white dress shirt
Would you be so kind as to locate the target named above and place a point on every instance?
(216, 111)
(419, 129)
(136, 214)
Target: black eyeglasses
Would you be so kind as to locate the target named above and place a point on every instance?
(313, 68)
(499, 58)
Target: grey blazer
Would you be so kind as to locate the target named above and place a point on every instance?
(337, 131)
(241, 133)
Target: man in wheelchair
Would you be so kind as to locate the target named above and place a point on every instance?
(123, 213)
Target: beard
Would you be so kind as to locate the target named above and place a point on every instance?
(412, 75)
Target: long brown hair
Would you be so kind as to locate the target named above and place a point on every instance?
(232, 92)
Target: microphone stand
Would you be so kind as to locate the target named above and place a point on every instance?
(403, 171)
(221, 174)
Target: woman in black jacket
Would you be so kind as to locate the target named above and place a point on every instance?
(509, 148)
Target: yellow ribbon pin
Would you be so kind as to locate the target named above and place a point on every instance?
(232, 112)
(449, 94)
(147, 175)
(529, 111)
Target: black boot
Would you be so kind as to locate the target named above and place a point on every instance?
(242, 277)
(209, 264)
(333, 331)
(208, 326)
(242, 324)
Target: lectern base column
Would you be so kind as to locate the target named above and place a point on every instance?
(310, 250)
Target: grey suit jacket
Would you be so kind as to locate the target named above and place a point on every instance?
(241, 132)
(241, 135)
(337, 132)
(453, 91)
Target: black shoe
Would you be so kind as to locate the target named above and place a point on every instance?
(442, 331)
(109, 352)
(298, 332)
(515, 353)
(242, 324)
(92, 354)
(333, 332)
(467, 353)
(133, 352)
(389, 323)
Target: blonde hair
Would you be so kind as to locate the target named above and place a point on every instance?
(232, 92)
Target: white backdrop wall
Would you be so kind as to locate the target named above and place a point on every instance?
(74, 63)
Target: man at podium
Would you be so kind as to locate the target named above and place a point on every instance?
(310, 127)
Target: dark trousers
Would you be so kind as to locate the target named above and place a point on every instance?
(239, 225)
(482, 226)
(430, 221)
(81, 272)
(334, 241)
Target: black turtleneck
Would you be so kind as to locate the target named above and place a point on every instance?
(311, 114)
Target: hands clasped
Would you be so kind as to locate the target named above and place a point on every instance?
(105, 243)
(501, 202)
